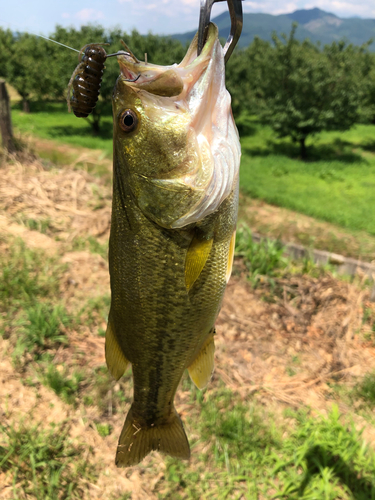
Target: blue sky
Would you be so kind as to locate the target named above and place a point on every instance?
(158, 16)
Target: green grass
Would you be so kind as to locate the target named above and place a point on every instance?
(26, 276)
(52, 121)
(91, 244)
(45, 464)
(336, 184)
(41, 225)
(250, 453)
(65, 386)
(32, 315)
(365, 390)
(261, 259)
(40, 328)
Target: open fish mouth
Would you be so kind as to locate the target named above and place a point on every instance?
(169, 81)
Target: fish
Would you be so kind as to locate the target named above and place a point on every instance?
(176, 157)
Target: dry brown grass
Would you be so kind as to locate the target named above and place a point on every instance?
(283, 346)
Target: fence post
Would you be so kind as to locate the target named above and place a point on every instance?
(5, 119)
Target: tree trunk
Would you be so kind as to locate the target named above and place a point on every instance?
(6, 119)
(95, 122)
(303, 150)
(25, 105)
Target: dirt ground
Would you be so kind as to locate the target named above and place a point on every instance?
(284, 346)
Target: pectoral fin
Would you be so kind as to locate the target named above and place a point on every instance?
(196, 258)
(115, 359)
(202, 367)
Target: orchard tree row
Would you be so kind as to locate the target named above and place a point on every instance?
(39, 69)
(301, 88)
(298, 88)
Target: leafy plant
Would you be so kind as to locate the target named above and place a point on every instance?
(365, 390)
(39, 328)
(25, 276)
(261, 259)
(45, 464)
(63, 385)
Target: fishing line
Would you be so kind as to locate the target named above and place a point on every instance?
(54, 41)
(46, 38)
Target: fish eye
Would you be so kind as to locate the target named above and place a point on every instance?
(128, 120)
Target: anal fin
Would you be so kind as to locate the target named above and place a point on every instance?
(196, 258)
(137, 441)
(115, 359)
(202, 367)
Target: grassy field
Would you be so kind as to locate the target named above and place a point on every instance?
(288, 414)
(52, 121)
(337, 184)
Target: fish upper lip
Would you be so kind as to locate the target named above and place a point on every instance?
(148, 72)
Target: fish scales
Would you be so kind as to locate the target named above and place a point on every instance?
(168, 277)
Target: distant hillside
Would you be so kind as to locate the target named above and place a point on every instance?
(315, 24)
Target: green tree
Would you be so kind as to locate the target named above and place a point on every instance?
(245, 73)
(160, 50)
(28, 68)
(307, 89)
(6, 43)
(368, 73)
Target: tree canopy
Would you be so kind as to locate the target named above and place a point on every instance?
(298, 88)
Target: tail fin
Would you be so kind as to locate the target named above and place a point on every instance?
(136, 442)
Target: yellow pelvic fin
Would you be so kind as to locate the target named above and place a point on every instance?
(115, 359)
(231, 255)
(196, 258)
(202, 367)
(136, 441)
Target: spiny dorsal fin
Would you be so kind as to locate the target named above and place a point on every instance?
(137, 441)
(115, 359)
(196, 258)
(202, 367)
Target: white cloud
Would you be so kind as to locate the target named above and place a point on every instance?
(65, 15)
(89, 15)
(344, 8)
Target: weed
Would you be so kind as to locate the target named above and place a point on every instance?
(44, 463)
(261, 259)
(365, 390)
(41, 225)
(95, 311)
(236, 430)
(26, 275)
(65, 386)
(104, 430)
(334, 461)
(92, 244)
(39, 328)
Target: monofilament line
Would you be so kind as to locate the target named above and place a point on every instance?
(54, 41)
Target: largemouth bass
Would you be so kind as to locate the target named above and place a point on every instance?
(175, 198)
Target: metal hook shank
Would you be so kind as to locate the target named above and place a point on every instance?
(236, 19)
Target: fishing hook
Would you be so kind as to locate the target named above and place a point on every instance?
(236, 20)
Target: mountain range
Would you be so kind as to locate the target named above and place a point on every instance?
(315, 24)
